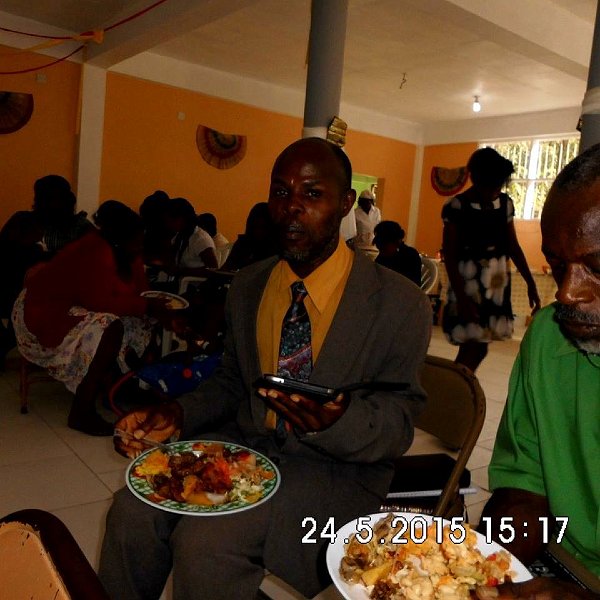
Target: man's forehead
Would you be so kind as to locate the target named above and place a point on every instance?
(571, 224)
(306, 162)
(577, 208)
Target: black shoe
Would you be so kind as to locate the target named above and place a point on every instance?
(92, 424)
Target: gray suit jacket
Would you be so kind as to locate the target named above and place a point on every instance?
(380, 332)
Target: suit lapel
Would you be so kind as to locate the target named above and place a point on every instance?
(350, 326)
(247, 310)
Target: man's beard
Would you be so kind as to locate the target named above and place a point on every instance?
(567, 313)
(308, 256)
(314, 253)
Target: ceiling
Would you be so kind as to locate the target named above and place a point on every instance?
(532, 59)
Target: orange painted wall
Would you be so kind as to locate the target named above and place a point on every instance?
(429, 225)
(146, 147)
(392, 162)
(47, 144)
(529, 235)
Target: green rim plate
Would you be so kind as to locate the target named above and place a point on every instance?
(140, 488)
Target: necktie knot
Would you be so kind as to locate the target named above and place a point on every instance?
(298, 292)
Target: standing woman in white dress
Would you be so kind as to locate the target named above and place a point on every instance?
(479, 242)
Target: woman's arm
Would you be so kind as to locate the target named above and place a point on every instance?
(516, 254)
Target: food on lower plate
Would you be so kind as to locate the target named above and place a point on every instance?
(171, 302)
(209, 474)
(422, 571)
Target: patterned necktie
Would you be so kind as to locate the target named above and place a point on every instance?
(295, 350)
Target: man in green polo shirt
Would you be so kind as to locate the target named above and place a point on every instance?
(546, 461)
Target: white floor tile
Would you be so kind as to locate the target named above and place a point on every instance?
(86, 524)
(481, 496)
(480, 457)
(480, 477)
(96, 452)
(26, 438)
(113, 480)
(49, 484)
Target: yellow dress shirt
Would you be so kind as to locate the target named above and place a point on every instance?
(325, 286)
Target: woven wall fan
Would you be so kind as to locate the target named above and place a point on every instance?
(448, 182)
(220, 150)
(15, 111)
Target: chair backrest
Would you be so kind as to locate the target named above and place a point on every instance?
(455, 413)
(39, 558)
(429, 275)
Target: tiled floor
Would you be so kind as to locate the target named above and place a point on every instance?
(44, 464)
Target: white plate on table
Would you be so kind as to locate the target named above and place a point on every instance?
(141, 488)
(177, 302)
(335, 553)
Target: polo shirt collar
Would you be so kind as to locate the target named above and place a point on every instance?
(565, 346)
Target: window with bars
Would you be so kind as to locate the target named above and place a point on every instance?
(537, 162)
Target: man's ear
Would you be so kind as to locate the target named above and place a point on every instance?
(348, 201)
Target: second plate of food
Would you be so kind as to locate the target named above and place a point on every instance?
(172, 301)
(369, 552)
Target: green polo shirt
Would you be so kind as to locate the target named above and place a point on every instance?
(548, 441)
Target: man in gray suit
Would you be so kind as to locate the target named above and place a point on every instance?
(368, 324)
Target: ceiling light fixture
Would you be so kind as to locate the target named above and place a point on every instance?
(476, 104)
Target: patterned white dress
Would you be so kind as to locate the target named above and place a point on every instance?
(483, 262)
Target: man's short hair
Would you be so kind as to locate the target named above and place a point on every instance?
(345, 164)
(208, 222)
(338, 153)
(388, 231)
(581, 172)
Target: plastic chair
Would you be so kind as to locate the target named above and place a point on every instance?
(455, 414)
(429, 275)
(39, 558)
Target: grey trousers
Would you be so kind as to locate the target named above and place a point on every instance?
(223, 557)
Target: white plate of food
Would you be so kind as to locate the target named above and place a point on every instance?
(203, 477)
(358, 566)
(172, 301)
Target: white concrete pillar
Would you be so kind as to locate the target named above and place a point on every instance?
(325, 65)
(590, 114)
(91, 134)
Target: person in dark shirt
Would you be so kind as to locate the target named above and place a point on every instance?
(54, 203)
(256, 243)
(394, 253)
(20, 249)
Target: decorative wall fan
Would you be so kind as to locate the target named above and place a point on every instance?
(447, 182)
(220, 150)
(15, 111)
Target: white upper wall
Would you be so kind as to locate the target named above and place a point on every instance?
(548, 43)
